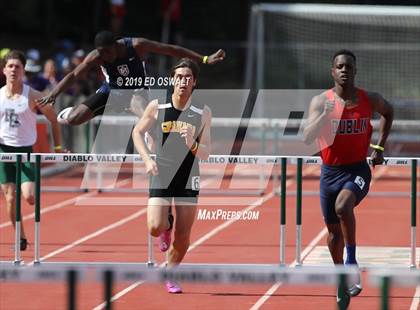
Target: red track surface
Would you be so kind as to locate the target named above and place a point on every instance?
(381, 222)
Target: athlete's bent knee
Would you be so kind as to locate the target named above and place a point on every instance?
(155, 229)
(343, 210)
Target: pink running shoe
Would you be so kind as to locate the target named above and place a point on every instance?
(173, 287)
(165, 237)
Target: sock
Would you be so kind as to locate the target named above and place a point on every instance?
(63, 115)
(351, 255)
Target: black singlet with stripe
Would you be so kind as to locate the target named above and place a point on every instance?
(179, 174)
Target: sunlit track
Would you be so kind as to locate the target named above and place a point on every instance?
(125, 295)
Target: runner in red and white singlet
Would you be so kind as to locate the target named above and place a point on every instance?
(339, 120)
(350, 128)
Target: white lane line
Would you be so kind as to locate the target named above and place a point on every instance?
(416, 299)
(50, 208)
(59, 205)
(193, 246)
(94, 234)
(276, 285)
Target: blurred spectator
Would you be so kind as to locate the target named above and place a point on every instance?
(33, 54)
(78, 57)
(75, 94)
(117, 16)
(33, 76)
(50, 73)
(62, 57)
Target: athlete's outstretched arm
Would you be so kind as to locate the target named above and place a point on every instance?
(89, 62)
(49, 113)
(146, 122)
(144, 46)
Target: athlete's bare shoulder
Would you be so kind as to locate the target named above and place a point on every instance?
(152, 107)
(318, 100)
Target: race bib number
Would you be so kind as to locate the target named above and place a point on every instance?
(195, 183)
(359, 182)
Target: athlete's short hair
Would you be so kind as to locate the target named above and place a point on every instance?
(104, 39)
(187, 63)
(344, 52)
(15, 54)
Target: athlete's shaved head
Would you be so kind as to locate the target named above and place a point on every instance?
(344, 52)
(104, 39)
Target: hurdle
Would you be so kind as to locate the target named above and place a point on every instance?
(393, 277)
(299, 161)
(39, 158)
(59, 157)
(87, 158)
(389, 161)
(108, 274)
(338, 276)
(18, 159)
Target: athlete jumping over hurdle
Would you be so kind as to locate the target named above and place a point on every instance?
(122, 62)
(181, 131)
(339, 119)
(18, 113)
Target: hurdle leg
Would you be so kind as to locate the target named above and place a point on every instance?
(299, 213)
(18, 209)
(37, 208)
(108, 283)
(150, 258)
(17, 260)
(385, 293)
(283, 212)
(71, 287)
(342, 286)
(413, 212)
